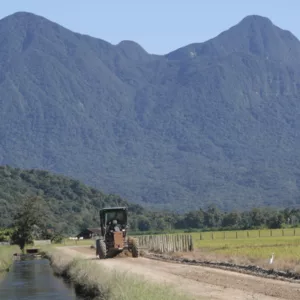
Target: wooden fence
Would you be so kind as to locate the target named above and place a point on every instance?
(166, 243)
(4, 243)
(41, 242)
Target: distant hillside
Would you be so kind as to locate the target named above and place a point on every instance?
(214, 122)
(71, 204)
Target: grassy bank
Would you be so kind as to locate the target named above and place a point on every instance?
(6, 257)
(95, 281)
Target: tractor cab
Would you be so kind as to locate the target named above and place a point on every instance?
(113, 220)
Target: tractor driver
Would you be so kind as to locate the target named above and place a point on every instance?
(115, 225)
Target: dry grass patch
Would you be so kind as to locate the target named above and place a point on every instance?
(98, 282)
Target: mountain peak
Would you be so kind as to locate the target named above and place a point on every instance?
(254, 35)
(133, 50)
(26, 29)
(23, 16)
(20, 22)
(257, 35)
(130, 45)
(260, 20)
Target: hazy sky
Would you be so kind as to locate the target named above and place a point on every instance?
(158, 26)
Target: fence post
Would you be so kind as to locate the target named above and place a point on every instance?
(186, 243)
(247, 234)
(212, 235)
(181, 243)
(294, 231)
(191, 243)
(259, 233)
(200, 235)
(236, 234)
(282, 232)
(271, 232)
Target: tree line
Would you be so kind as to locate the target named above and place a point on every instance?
(214, 218)
(71, 206)
(30, 221)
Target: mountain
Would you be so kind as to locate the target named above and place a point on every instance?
(209, 123)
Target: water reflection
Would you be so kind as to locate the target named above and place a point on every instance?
(34, 280)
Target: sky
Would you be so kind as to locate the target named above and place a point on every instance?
(158, 26)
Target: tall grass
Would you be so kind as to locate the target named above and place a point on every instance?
(6, 257)
(96, 281)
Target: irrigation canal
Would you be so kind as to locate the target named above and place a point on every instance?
(33, 279)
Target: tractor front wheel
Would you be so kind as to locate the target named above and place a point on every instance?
(101, 249)
(134, 247)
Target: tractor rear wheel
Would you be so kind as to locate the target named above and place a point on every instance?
(101, 249)
(134, 247)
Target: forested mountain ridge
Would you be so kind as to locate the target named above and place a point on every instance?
(70, 204)
(213, 122)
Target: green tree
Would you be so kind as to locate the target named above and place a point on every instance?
(144, 224)
(258, 217)
(245, 221)
(276, 220)
(213, 216)
(194, 219)
(5, 234)
(231, 219)
(159, 224)
(29, 217)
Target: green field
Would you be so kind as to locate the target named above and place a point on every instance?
(251, 246)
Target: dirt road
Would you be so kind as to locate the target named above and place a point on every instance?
(199, 281)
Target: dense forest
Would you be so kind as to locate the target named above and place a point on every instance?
(73, 206)
(214, 218)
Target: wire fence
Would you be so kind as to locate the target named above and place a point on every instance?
(243, 234)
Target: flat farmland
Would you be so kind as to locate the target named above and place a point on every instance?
(251, 247)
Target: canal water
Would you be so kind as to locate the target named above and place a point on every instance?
(34, 280)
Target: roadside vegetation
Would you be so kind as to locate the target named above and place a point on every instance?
(29, 223)
(6, 258)
(97, 282)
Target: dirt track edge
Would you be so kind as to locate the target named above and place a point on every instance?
(245, 269)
